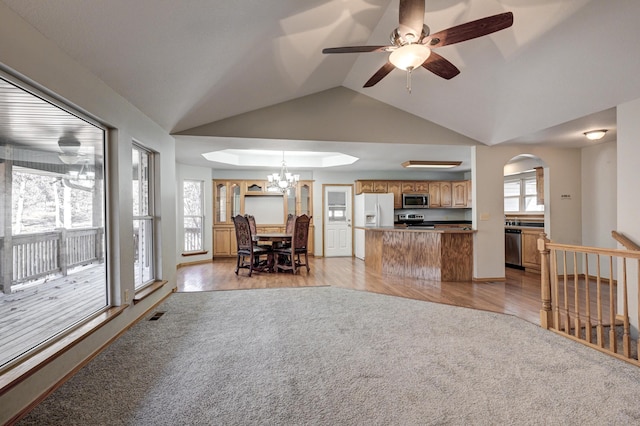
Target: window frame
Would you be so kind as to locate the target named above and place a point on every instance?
(522, 179)
(148, 219)
(103, 190)
(201, 217)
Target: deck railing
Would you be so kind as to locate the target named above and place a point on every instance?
(34, 256)
(585, 296)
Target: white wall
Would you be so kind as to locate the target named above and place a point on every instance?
(186, 172)
(628, 187)
(25, 52)
(599, 173)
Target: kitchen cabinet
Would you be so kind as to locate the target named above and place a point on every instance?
(530, 253)
(421, 186)
(442, 194)
(459, 193)
(434, 194)
(539, 185)
(381, 187)
(395, 188)
(408, 186)
(439, 194)
(255, 186)
(445, 194)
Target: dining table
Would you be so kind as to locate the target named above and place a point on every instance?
(275, 238)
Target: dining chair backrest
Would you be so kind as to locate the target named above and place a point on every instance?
(291, 220)
(252, 223)
(300, 233)
(243, 233)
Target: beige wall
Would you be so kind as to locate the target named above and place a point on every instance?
(563, 217)
(24, 51)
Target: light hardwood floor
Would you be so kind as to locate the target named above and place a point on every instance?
(519, 295)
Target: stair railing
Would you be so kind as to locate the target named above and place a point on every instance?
(584, 294)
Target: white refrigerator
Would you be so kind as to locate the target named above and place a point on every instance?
(370, 210)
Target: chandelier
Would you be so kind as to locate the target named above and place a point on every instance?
(283, 181)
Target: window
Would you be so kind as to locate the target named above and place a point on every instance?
(53, 269)
(143, 216)
(192, 196)
(520, 194)
(337, 203)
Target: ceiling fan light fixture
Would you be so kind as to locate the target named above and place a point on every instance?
(431, 164)
(409, 56)
(594, 135)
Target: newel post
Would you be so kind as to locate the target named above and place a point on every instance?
(546, 315)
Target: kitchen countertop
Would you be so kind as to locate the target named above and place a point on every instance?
(420, 229)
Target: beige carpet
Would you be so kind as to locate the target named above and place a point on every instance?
(328, 356)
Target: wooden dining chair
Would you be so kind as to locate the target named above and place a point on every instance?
(289, 258)
(247, 248)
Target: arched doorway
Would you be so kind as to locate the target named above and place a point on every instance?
(524, 210)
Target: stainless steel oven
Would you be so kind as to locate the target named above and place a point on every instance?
(415, 201)
(513, 248)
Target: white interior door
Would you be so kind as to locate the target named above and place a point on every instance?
(338, 235)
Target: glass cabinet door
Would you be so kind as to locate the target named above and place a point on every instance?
(305, 200)
(291, 202)
(234, 199)
(221, 203)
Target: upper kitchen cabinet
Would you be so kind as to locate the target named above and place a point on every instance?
(421, 186)
(539, 185)
(395, 188)
(459, 194)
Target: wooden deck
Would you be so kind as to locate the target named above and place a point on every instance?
(30, 316)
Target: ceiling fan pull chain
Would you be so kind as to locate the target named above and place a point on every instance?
(409, 69)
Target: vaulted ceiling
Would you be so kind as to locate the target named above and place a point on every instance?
(559, 70)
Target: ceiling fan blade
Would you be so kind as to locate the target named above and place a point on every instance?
(470, 30)
(356, 49)
(440, 66)
(411, 20)
(380, 74)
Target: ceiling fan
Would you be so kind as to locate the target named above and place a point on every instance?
(412, 44)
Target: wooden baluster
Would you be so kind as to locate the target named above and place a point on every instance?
(546, 316)
(567, 319)
(555, 302)
(588, 325)
(626, 343)
(599, 327)
(576, 296)
(613, 343)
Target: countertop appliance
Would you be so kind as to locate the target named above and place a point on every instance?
(371, 210)
(415, 201)
(513, 248)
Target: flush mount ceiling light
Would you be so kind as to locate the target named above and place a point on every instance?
(431, 164)
(594, 135)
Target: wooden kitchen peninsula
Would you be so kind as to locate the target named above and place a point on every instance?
(430, 254)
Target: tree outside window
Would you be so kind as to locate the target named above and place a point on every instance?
(192, 195)
(143, 216)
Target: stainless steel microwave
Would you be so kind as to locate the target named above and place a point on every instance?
(415, 201)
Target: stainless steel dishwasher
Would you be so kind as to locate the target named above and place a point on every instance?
(513, 248)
